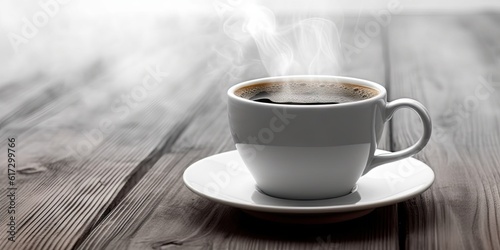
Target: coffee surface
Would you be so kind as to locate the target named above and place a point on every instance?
(306, 92)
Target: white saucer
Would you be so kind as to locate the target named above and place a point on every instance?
(223, 178)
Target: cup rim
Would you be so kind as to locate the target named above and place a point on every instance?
(382, 93)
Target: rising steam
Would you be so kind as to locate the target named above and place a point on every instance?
(308, 46)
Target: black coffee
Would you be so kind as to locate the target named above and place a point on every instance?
(306, 92)
(266, 100)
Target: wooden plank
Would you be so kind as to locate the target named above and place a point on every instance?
(450, 64)
(62, 192)
(32, 97)
(160, 213)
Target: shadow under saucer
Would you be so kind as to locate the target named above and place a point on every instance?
(311, 219)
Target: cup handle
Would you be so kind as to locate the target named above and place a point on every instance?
(390, 108)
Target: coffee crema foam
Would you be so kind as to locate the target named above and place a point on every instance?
(306, 92)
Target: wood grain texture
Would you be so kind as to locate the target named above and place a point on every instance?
(67, 181)
(450, 64)
(161, 213)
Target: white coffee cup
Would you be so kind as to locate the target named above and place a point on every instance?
(315, 151)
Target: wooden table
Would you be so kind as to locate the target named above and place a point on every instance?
(100, 155)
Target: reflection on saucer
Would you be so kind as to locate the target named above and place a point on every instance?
(259, 197)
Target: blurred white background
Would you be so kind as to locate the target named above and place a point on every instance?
(60, 37)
